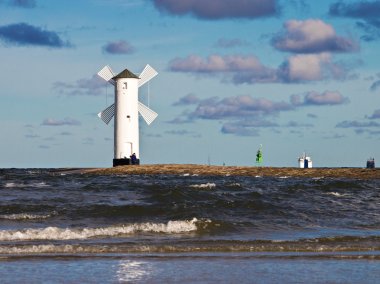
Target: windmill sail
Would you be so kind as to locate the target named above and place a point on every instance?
(147, 74)
(107, 114)
(148, 114)
(107, 74)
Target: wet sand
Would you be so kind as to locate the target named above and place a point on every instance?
(192, 169)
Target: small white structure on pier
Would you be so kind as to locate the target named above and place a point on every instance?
(305, 161)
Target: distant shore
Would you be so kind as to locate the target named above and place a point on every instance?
(192, 169)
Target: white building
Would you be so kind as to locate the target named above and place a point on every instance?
(305, 161)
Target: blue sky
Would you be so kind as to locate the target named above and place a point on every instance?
(293, 76)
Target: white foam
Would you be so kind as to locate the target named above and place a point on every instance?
(36, 184)
(235, 184)
(209, 185)
(41, 249)
(337, 194)
(25, 216)
(30, 249)
(55, 233)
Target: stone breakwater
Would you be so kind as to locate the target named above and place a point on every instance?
(192, 169)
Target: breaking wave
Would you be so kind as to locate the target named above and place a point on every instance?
(348, 244)
(337, 194)
(208, 185)
(54, 233)
(23, 185)
(25, 216)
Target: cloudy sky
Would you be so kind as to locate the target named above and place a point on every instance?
(292, 75)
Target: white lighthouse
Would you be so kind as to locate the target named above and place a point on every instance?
(126, 110)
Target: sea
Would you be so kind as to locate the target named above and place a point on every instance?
(59, 226)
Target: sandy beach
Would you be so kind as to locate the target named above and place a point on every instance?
(192, 169)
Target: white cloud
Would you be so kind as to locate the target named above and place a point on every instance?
(118, 47)
(240, 69)
(312, 36)
(62, 122)
(305, 67)
(216, 63)
(237, 107)
(315, 98)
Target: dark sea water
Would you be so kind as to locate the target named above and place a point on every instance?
(58, 227)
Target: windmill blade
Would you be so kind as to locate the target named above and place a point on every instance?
(107, 74)
(148, 114)
(147, 74)
(107, 114)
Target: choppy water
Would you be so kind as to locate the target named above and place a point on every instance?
(57, 227)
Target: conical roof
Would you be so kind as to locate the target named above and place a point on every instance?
(125, 74)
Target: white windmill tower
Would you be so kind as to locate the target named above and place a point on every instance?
(126, 109)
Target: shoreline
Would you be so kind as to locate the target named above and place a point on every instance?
(206, 170)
